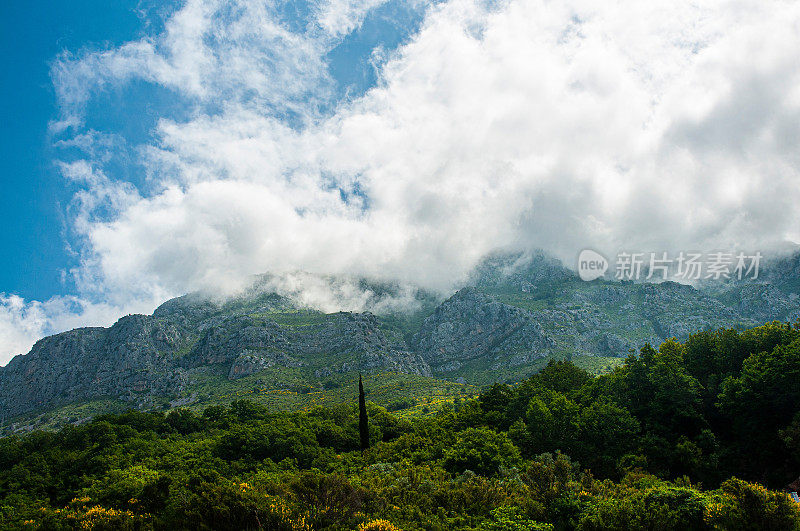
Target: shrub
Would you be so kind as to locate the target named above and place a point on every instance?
(662, 506)
(82, 514)
(482, 451)
(512, 519)
(330, 497)
(740, 505)
(378, 525)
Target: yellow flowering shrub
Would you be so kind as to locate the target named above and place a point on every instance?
(743, 505)
(82, 514)
(378, 525)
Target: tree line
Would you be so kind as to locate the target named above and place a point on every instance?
(702, 434)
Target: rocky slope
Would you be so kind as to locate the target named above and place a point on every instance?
(142, 357)
(133, 357)
(516, 311)
(471, 326)
(339, 342)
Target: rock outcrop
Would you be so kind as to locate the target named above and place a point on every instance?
(130, 360)
(338, 342)
(472, 325)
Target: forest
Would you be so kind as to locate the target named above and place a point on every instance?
(701, 434)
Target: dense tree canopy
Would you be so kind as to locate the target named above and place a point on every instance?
(561, 450)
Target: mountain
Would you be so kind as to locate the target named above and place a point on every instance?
(141, 358)
(515, 312)
(471, 332)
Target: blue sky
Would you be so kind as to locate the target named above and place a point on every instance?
(153, 149)
(34, 249)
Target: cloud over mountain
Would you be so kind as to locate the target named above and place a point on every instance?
(493, 125)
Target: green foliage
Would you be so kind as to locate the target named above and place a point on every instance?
(512, 519)
(562, 450)
(645, 504)
(762, 400)
(363, 420)
(741, 506)
(482, 451)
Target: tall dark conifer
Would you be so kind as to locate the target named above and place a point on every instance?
(363, 421)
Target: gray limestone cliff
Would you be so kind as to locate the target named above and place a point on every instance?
(517, 310)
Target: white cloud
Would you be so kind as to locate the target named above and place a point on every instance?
(515, 124)
(340, 17)
(22, 322)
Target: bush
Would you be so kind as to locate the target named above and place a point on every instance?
(82, 514)
(740, 505)
(512, 519)
(378, 525)
(237, 506)
(661, 506)
(482, 451)
(330, 497)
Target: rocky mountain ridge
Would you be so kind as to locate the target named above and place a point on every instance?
(516, 310)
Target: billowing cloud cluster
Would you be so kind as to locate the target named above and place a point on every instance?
(497, 125)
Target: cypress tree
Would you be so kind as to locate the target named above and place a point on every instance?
(363, 422)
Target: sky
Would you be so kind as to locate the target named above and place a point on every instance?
(157, 148)
(31, 37)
